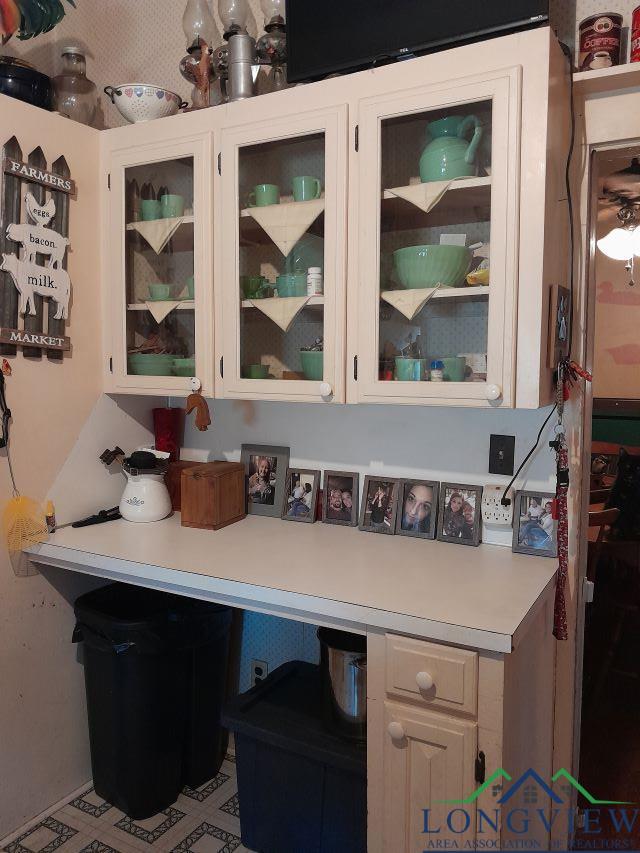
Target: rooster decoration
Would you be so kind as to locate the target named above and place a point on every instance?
(30, 18)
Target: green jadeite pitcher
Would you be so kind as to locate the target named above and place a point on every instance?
(448, 153)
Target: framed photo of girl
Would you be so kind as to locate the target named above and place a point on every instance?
(379, 505)
(418, 508)
(535, 531)
(459, 513)
(300, 495)
(340, 498)
(265, 471)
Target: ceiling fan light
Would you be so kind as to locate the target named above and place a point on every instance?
(619, 244)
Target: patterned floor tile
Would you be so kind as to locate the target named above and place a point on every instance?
(232, 806)
(204, 791)
(208, 839)
(153, 828)
(90, 803)
(46, 837)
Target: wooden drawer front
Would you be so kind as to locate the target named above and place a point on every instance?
(412, 665)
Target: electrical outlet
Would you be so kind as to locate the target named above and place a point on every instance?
(259, 671)
(501, 454)
(494, 513)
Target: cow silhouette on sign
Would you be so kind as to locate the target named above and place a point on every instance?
(31, 279)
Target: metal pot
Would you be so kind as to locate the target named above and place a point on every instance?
(343, 663)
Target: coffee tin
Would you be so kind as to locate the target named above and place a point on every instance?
(635, 36)
(600, 41)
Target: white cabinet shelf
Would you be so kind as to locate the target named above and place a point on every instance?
(466, 200)
(182, 240)
(184, 305)
(314, 302)
(458, 293)
(608, 79)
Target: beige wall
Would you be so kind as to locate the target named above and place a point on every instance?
(43, 744)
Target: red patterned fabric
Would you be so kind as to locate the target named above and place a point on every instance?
(560, 631)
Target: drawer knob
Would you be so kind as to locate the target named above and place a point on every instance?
(326, 390)
(396, 731)
(424, 680)
(494, 392)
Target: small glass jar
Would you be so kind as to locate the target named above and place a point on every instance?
(314, 281)
(437, 371)
(74, 94)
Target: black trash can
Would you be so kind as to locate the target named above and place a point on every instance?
(155, 673)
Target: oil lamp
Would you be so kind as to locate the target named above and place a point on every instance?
(272, 46)
(199, 27)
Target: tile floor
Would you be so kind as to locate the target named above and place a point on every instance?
(205, 820)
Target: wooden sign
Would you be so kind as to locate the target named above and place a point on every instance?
(38, 176)
(33, 339)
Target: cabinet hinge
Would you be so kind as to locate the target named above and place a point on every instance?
(109, 181)
(110, 365)
(480, 768)
(357, 139)
(588, 588)
(355, 367)
(220, 163)
(222, 366)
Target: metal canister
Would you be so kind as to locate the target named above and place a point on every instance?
(600, 41)
(635, 36)
(343, 663)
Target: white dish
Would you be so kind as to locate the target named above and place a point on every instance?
(141, 102)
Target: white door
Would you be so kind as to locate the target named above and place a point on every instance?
(281, 206)
(160, 281)
(438, 243)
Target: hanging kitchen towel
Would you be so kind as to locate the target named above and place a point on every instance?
(159, 310)
(158, 232)
(286, 223)
(282, 311)
(425, 196)
(409, 302)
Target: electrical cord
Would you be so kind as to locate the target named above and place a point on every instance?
(505, 501)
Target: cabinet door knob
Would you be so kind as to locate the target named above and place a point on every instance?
(396, 731)
(494, 392)
(326, 390)
(195, 384)
(424, 680)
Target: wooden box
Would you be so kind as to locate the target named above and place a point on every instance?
(213, 495)
(173, 480)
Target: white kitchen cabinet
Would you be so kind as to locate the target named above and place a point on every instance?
(362, 138)
(157, 271)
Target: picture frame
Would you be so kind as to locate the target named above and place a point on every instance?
(379, 504)
(345, 482)
(412, 520)
(559, 319)
(460, 522)
(300, 495)
(265, 468)
(535, 531)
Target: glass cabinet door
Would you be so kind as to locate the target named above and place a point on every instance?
(282, 201)
(437, 244)
(159, 210)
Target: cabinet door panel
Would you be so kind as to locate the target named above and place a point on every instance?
(438, 231)
(433, 762)
(160, 267)
(282, 204)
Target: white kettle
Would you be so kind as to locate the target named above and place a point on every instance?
(145, 497)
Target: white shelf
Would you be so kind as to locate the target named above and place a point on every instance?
(184, 305)
(608, 79)
(466, 200)
(312, 303)
(452, 293)
(186, 220)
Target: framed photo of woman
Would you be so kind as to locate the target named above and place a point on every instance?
(418, 508)
(379, 505)
(265, 471)
(301, 495)
(535, 531)
(459, 514)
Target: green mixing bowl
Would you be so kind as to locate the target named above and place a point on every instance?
(312, 365)
(184, 366)
(150, 364)
(427, 266)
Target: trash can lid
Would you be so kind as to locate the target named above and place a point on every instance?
(343, 640)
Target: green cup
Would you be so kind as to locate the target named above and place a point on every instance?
(306, 188)
(159, 291)
(454, 368)
(150, 209)
(410, 369)
(312, 365)
(190, 287)
(256, 371)
(262, 195)
(292, 284)
(253, 285)
(172, 205)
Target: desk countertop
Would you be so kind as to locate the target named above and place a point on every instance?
(480, 597)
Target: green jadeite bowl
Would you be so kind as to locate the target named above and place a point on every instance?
(150, 364)
(427, 266)
(312, 365)
(184, 366)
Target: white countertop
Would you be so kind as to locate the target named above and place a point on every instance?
(480, 597)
